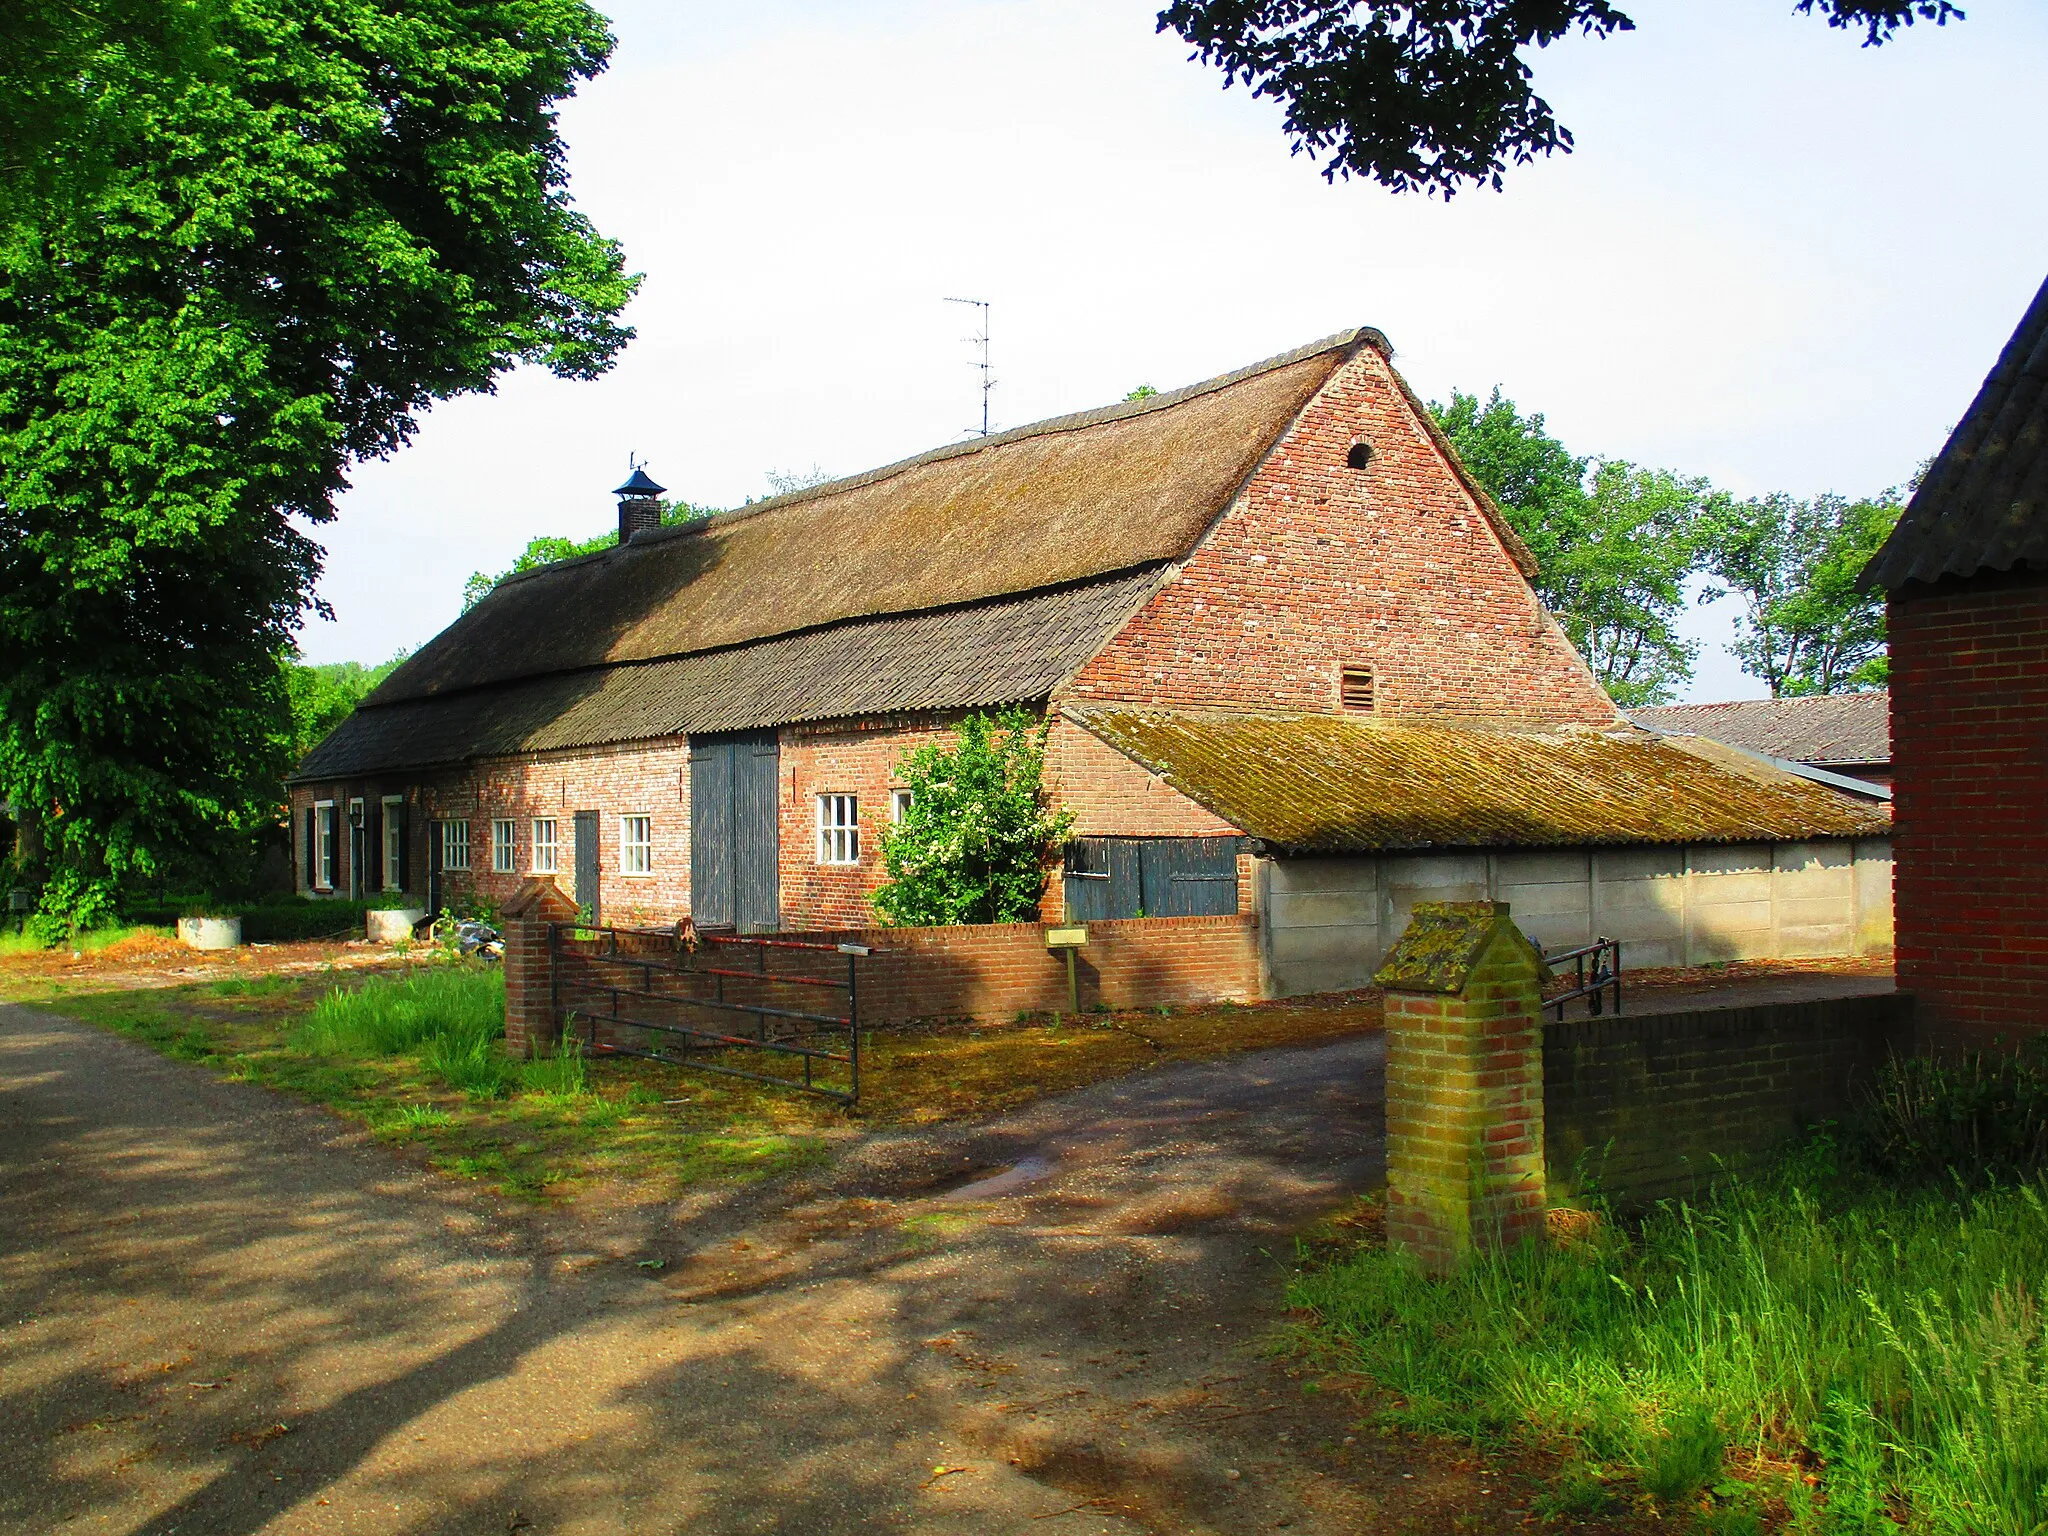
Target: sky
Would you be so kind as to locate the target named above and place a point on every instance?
(1776, 258)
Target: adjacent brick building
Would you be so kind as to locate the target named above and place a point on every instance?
(1966, 571)
(710, 720)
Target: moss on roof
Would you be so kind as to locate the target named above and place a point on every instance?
(1325, 783)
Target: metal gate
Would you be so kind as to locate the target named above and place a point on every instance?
(712, 1001)
(735, 846)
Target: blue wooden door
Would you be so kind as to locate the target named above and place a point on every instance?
(735, 846)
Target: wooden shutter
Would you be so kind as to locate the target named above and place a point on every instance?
(310, 868)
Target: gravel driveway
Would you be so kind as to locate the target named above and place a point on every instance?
(225, 1312)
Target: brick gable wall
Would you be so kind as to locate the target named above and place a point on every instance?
(1317, 565)
(1969, 682)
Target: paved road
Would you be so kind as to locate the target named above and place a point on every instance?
(222, 1312)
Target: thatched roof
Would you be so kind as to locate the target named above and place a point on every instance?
(1323, 783)
(1984, 503)
(980, 656)
(1827, 730)
(1062, 501)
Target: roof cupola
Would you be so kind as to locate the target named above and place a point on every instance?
(639, 503)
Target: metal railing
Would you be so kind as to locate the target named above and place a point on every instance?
(1605, 975)
(681, 986)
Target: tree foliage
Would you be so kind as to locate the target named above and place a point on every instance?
(1806, 627)
(1431, 94)
(242, 244)
(1614, 543)
(974, 844)
(325, 695)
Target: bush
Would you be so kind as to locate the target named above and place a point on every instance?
(1980, 1117)
(974, 843)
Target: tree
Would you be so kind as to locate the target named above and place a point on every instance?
(1614, 543)
(325, 695)
(1806, 626)
(242, 244)
(1431, 94)
(973, 843)
(548, 548)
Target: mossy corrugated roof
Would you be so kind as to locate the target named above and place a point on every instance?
(1326, 783)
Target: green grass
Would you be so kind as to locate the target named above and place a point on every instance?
(1894, 1338)
(449, 1008)
(79, 943)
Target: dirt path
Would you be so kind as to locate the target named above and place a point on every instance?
(223, 1312)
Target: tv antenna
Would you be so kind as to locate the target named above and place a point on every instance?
(987, 382)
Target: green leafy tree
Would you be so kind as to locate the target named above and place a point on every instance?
(1614, 543)
(1806, 627)
(1432, 94)
(325, 695)
(547, 549)
(242, 244)
(974, 844)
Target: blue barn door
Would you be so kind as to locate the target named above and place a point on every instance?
(735, 845)
(1112, 877)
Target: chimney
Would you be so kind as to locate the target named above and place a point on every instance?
(639, 504)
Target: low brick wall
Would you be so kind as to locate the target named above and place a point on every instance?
(1652, 1107)
(998, 970)
(988, 971)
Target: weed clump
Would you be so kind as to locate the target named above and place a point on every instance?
(448, 1009)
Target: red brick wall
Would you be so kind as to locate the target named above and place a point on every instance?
(644, 778)
(846, 757)
(993, 971)
(1318, 565)
(1111, 796)
(1969, 683)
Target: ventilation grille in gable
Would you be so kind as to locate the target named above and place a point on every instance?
(1355, 690)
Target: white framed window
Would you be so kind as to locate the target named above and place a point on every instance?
(838, 829)
(455, 845)
(323, 845)
(636, 845)
(394, 842)
(503, 860)
(900, 802)
(547, 850)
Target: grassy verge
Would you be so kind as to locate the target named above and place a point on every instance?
(1809, 1350)
(414, 1051)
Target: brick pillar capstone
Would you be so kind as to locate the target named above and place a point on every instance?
(530, 1024)
(1464, 1083)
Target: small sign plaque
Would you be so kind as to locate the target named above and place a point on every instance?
(1066, 938)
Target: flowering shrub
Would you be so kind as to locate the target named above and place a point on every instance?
(973, 845)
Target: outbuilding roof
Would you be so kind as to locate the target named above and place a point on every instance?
(1826, 730)
(979, 656)
(1331, 784)
(1984, 503)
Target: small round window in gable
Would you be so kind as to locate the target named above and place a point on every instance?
(1360, 454)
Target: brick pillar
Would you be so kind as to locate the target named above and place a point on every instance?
(530, 1023)
(1464, 1083)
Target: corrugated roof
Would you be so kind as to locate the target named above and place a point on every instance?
(1324, 783)
(980, 656)
(1984, 503)
(1837, 728)
(1060, 501)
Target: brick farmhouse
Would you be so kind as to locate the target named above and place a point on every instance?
(1966, 572)
(1295, 674)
